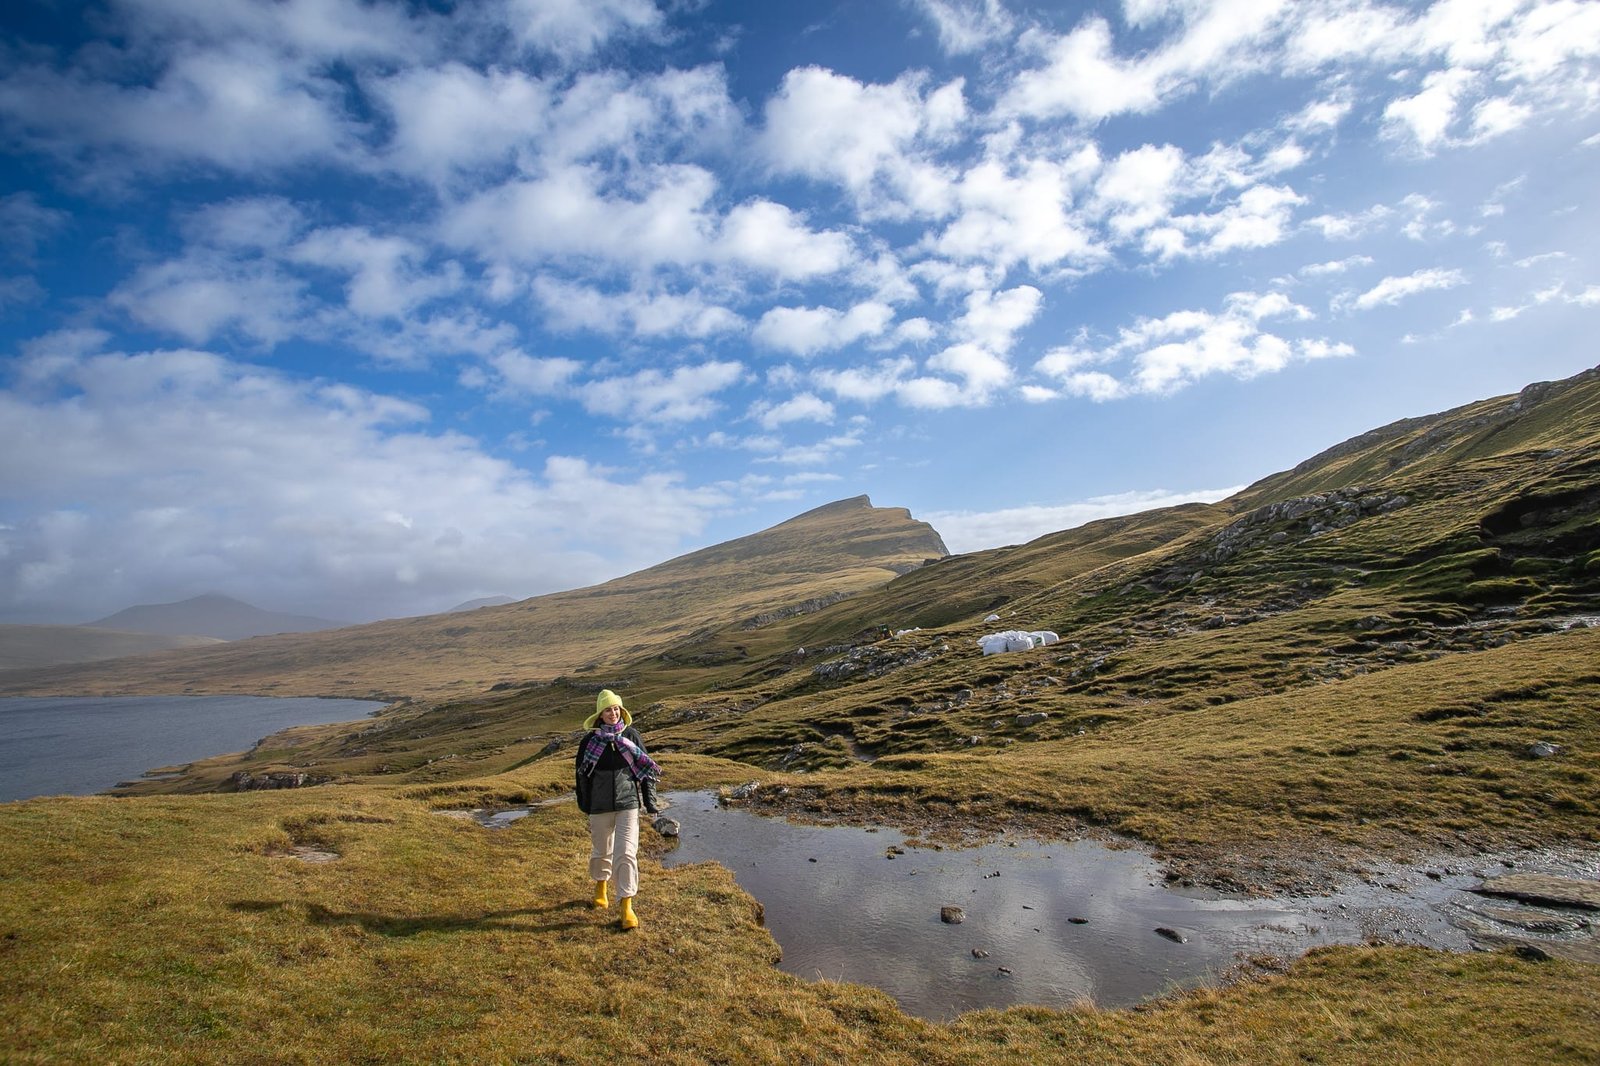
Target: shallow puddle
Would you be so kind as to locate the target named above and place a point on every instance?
(1046, 924)
(1057, 922)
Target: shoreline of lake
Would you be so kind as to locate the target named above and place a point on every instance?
(81, 746)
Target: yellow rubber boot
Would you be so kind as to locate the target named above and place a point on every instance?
(600, 899)
(629, 919)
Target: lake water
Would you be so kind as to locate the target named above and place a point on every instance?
(79, 746)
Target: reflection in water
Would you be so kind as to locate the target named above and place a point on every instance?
(1054, 923)
(841, 909)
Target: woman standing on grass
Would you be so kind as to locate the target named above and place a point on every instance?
(615, 779)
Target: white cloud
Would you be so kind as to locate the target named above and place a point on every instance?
(967, 26)
(25, 224)
(993, 319)
(573, 29)
(1138, 187)
(684, 394)
(315, 30)
(870, 139)
(248, 224)
(1491, 118)
(180, 472)
(806, 407)
(1021, 212)
(1348, 226)
(769, 237)
(817, 453)
(1336, 266)
(867, 384)
(526, 374)
(453, 117)
(981, 371)
(1392, 290)
(808, 330)
(204, 295)
(1258, 219)
(666, 220)
(238, 108)
(574, 306)
(1426, 117)
(388, 276)
(1082, 77)
(1164, 355)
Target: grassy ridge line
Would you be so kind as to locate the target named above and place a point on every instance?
(175, 930)
(840, 549)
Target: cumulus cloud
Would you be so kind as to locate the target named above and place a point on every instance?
(808, 330)
(25, 224)
(205, 295)
(1336, 266)
(874, 140)
(1159, 356)
(573, 29)
(1392, 290)
(683, 394)
(806, 407)
(1084, 77)
(181, 472)
(235, 108)
(388, 276)
(1021, 212)
(966, 26)
(574, 306)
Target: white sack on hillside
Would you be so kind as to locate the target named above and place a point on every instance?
(1010, 640)
(1044, 638)
(992, 618)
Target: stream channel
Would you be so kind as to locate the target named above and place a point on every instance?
(1045, 923)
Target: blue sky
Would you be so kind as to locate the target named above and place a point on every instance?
(367, 309)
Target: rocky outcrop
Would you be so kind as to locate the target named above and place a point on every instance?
(1309, 515)
(245, 781)
(1544, 889)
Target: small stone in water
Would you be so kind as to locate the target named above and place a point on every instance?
(979, 953)
(1172, 935)
(952, 915)
(1005, 970)
(1078, 921)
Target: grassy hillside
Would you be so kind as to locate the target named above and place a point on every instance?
(1350, 660)
(826, 553)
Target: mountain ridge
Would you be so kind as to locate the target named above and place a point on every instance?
(837, 549)
(211, 615)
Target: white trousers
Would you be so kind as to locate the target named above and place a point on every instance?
(615, 851)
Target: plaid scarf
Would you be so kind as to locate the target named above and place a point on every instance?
(640, 765)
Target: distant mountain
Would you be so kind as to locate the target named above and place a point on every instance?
(22, 647)
(216, 616)
(487, 601)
